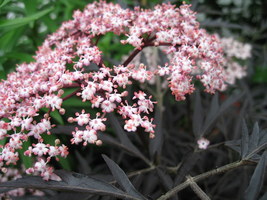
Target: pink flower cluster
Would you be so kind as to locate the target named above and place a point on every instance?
(65, 59)
(234, 50)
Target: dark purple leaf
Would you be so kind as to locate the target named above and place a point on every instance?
(197, 116)
(155, 144)
(264, 197)
(257, 179)
(122, 178)
(165, 180)
(71, 182)
(122, 134)
(216, 111)
(188, 163)
(254, 138)
(107, 139)
(244, 140)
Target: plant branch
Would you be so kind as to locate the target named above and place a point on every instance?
(132, 55)
(73, 85)
(138, 172)
(200, 177)
(199, 192)
(137, 50)
(142, 171)
(72, 94)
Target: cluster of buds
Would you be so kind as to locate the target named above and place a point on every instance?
(67, 59)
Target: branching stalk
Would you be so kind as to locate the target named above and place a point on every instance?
(200, 177)
(199, 192)
(138, 172)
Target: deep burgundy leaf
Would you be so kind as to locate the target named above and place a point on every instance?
(254, 138)
(216, 111)
(122, 134)
(257, 179)
(107, 139)
(122, 178)
(71, 182)
(198, 115)
(244, 140)
(155, 144)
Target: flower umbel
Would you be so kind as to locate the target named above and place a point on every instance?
(65, 59)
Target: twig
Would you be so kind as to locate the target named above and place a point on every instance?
(200, 177)
(142, 171)
(97, 39)
(199, 192)
(73, 85)
(131, 57)
(138, 172)
(136, 51)
(72, 94)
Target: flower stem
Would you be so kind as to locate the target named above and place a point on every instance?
(72, 94)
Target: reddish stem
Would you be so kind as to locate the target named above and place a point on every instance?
(147, 43)
(131, 57)
(72, 94)
(97, 39)
(73, 85)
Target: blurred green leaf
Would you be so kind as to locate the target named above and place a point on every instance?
(260, 75)
(4, 2)
(74, 101)
(2, 72)
(77, 3)
(3, 142)
(26, 160)
(52, 26)
(24, 57)
(8, 25)
(30, 6)
(65, 163)
(55, 115)
(10, 39)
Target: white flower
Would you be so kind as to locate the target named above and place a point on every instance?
(40, 149)
(82, 118)
(90, 136)
(97, 124)
(108, 106)
(203, 143)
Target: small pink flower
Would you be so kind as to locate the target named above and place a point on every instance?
(89, 136)
(82, 118)
(203, 143)
(97, 124)
(89, 91)
(108, 106)
(130, 126)
(40, 149)
(77, 137)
